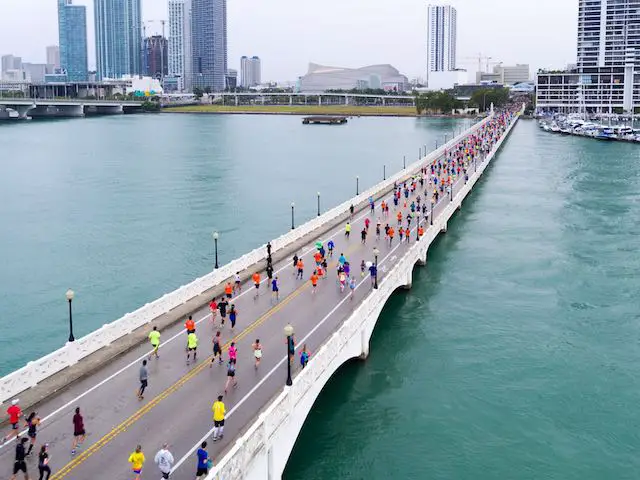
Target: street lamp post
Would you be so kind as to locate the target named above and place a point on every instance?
(357, 185)
(404, 161)
(288, 332)
(70, 294)
(215, 247)
(431, 216)
(269, 259)
(384, 172)
(318, 203)
(293, 205)
(418, 229)
(376, 252)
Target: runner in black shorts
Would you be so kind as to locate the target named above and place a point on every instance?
(19, 465)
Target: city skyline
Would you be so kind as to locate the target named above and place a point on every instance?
(258, 25)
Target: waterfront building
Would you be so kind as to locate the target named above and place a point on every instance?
(506, 74)
(118, 26)
(250, 71)
(180, 55)
(606, 78)
(11, 67)
(72, 33)
(35, 72)
(231, 80)
(53, 57)
(154, 53)
(209, 43)
(441, 41)
(320, 78)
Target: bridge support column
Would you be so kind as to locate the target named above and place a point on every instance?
(23, 110)
(236, 97)
(290, 99)
(443, 229)
(365, 344)
(319, 99)
(409, 280)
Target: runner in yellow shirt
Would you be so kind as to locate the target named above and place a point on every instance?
(136, 459)
(154, 338)
(192, 346)
(218, 419)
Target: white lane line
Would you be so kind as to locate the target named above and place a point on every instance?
(281, 362)
(171, 339)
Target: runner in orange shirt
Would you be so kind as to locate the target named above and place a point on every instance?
(256, 283)
(391, 234)
(399, 217)
(318, 258)
(228, 290)
(420, 231)
(300, 269)
(314, 282)
(213, 308)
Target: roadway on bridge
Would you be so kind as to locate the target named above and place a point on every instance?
(177, 404)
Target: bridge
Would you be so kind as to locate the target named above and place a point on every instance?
(43, 107)
(319, 98)
(99, 372)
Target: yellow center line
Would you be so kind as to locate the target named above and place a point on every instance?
(122, 427)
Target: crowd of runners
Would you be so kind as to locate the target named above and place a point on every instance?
(407, 212)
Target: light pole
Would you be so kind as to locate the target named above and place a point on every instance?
(431, 216)
(293, 205)
(269, 259)
(357, 185)
(288, 332)
(376, 252)
(404, 162)
(70, 294)
(215, 247)
(318, 203)
(418, 229)
(384, 172)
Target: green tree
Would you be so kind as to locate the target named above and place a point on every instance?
(197, 91)
(207, 90)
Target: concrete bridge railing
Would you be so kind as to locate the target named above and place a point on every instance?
(263, 451)
(72, 352)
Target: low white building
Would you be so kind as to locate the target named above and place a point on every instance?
(446, 80)
(320, 78)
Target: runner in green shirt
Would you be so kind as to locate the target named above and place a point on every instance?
(192, 345)
(154, 338)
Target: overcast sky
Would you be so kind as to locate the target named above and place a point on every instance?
(288, 34)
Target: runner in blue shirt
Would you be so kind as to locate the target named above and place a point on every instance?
(203, 461)
(330, 246)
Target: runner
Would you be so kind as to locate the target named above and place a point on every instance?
(318, 258)
(399, 217)
(14, 412)
(217, 349)
(19, 465)
(330, 246)
(347, 230)
(192, 344)
(237, 287)
(233, 315)
(400, 233)
(314, 282)
(228, 290)
(352, 286)
(391, 234)
(373, 270)
(213, 308)
(378, 231)
(233, 352)
(257, 352)
(222, 306)
(351, 209)
(363, 236)
(218, 410)
(136, 459)
(164, 460)
(154, 338)
(347, 268)
(363, 267)
(295, 263)
(190, 326)
(43, 462)
(256, 283)
(304, 356)
(32, 426)
(320, 272)
(275, 289)
(342, 259)
(204, 463)
(366, 224)
(269, 271)
(300, 269)
(143, 375)
(342, 278)
(231, 375)
(79, 433)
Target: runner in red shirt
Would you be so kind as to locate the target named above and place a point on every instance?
(14, 412)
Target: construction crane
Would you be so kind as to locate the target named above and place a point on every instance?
(480, 58)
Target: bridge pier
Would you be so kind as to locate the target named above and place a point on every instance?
(443, 228)
(23, 110)
(408, 283)
(364, 341)
(58, 111)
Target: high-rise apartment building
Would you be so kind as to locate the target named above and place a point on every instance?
(11, 67)
(118, 25)
(250, 71)
(154, 53)
(72, 35)
(180, 53)
(608, 32)
(441, 38)
(53, 57)
(209, 43)
(606, 78)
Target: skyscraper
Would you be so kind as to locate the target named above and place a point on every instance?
(72, 33)
(441, 35)
(608, 33)
(250, 71)
(53, 56)
(118, 38)
(209, 43)
(180, 53)
(155, 62)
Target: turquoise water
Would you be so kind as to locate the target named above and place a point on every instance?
(121, 209)
(515, 353)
